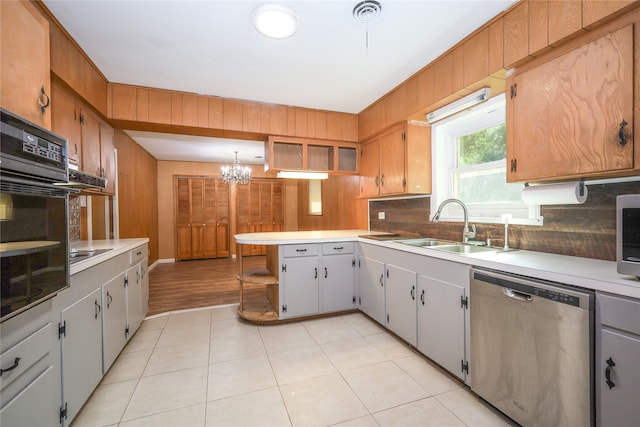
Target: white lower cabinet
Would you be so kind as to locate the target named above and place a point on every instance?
(421, 299)
(401, 290)
(34, 406)
(371, 288)
(114, 320)
(441, 323)
(316, 278)
(617, 361)
(133, 280)
(337, 277)
(81, 346)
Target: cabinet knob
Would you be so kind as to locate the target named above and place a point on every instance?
(607, 373)
(622, 139)
(16, 362)
(43, 100)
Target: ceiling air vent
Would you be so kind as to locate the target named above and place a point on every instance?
(367, 11)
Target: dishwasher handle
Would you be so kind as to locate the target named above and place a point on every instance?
(520, 296)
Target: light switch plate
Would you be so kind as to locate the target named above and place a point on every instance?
(381, 215)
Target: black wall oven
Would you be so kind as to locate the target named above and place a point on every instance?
(34, 239)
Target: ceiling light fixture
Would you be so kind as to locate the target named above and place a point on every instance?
(366, 12)
(302, 175)
(461, 104)
(236, 174)
(275, 21)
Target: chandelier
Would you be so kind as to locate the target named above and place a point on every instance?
(236, 174)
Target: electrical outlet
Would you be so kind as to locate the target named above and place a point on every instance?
(381, 215)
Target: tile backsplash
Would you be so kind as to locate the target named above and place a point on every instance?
(75, 220)
(586, 230)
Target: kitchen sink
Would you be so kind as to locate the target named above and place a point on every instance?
(426, 242)
(466, 249)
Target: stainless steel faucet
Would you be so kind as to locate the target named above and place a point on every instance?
(466, 234)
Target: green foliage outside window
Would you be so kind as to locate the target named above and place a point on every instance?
(484, 146)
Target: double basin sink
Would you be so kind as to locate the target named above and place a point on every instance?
(448, 246)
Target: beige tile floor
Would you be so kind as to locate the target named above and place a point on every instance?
(208, 368)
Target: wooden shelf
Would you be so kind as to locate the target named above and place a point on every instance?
(259, 288)
(259, 276)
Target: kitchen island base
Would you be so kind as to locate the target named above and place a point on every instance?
(259, 289)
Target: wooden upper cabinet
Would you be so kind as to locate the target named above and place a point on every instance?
(90, 142)
(516, 35)
(25, 66)
(538, 26)
(65, 121)
(496, 46)
(596, 10)
(565, 19)
(285, 153)
(370, 168)
(108, 156)
(124, 102)
(392, 162)
(476, 58)
(443, 77)
(160, 106)
(190, 114)
(568, 113)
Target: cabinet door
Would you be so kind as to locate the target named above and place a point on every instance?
(81, 351)
(338, 280)
(183, 218)
(371, 288)
(114, 320)
(222, 219)
(300, 283)
(65, 121)
(134, 297)
(566, 115)
(620, 404)
(25, 68)
(107, 157)
(401, 302)
(370, 165)
(34, 405)
(90, 142)
(441, 333)
(392, 165)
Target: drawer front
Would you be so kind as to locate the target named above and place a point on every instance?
(291, 251)
(620, 313)
(28, 351)
(337, 248)
(138, 254)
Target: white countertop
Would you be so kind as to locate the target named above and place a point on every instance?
(588, 273)
(117, 246)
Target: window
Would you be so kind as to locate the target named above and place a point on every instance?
(315, 197)
(469, 152)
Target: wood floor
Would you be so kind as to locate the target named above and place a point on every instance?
(197, 283)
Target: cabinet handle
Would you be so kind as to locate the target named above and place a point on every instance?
(315, 274)
(607, 373)
(621, 137)
(339, 248)
(413, 293)
(109, 299)
(301, 250)
(422, 297)
(377, 181)
(97, 306)
(382, 180)
(382, 280)
(43, 100)
(16, 362)
(325, 272)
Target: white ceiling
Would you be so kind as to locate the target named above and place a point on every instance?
(211, 48)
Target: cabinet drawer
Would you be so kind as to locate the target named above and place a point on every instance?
(620, 313)
(30, 350)
(300, 250)
(138, 254)
(337, 248)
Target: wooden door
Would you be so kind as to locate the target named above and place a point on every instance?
(183, 219)
(277, 206)
(392, 165)
(222, 219)
(243, 210)
(370, 165)
(25, 65)
(567, 113)
(266, 209)
(65, 121)
(254, 214)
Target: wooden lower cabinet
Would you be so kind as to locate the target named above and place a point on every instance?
(202, 213)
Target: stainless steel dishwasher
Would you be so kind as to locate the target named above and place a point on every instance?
(532, 348)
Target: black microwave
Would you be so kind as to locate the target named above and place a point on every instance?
(628, 234)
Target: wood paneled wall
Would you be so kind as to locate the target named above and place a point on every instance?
(137, 192)
(587, 230)
(341, 209)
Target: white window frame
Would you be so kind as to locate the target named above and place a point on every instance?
(444, 152)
